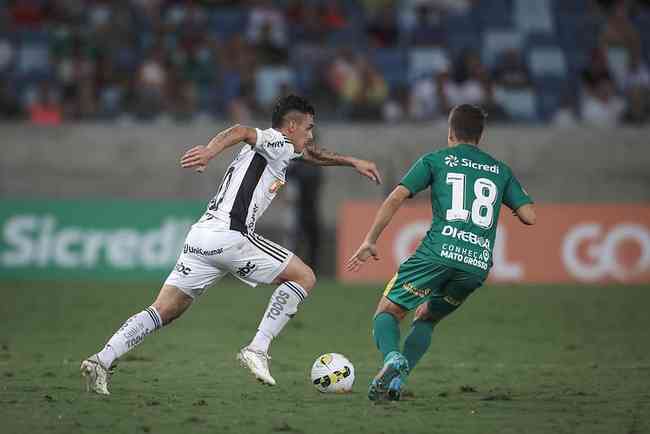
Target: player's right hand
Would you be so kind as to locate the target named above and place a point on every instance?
(196, 158)
(365, 251)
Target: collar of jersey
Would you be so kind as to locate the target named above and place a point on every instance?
(287, 140)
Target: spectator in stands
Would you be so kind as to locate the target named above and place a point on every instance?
(268, 51)
(7, 55)
(596, 71)
(238, 79)
(395, 107)
(453, 6)
(110, 89)
(511, 72)
(468, 83)
(601, 106)
(364, 91)
(566, 116)
(152, 82)
(424, 97)
(331, 15)
(267, 24)
(9, 106)
(382, 29)
(428, 29)
(372, 7)
(45, 109)
(619, 30)
(341, 70)
(637, 90)
(360, 88)
(28, 13)
(305, 22)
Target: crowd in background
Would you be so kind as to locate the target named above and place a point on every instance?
(367, 60)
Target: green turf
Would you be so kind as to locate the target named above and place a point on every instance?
(512, 360)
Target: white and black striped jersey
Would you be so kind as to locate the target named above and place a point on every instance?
(251, 182)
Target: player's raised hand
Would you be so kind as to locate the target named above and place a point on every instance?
(196, 158)
(368, 169)
(365, 251)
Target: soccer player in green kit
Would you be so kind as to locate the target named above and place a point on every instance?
(468, 187)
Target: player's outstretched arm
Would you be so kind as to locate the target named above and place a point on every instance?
(526, 214)
(314, 154)
(198, 157)
(385, 214)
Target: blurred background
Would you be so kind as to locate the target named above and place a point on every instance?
(98, 99)
(544, 61)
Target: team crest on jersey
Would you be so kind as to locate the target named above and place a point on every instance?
(276, 186)
(451, 160)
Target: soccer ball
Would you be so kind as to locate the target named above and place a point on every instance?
(332, 373)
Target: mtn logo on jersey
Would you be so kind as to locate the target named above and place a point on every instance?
(278, 144)
(452, 161)
(469, 237)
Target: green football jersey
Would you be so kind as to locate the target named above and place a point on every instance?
(468, 187)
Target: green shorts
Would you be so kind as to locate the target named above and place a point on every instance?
(419, 280)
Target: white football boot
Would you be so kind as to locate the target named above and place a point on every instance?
(258, 363)
(97, 377)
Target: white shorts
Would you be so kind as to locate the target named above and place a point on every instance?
(210, 254)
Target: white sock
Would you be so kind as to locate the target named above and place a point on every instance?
(282, 307)
(130, 335)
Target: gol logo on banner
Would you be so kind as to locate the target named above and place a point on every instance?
(570, 243)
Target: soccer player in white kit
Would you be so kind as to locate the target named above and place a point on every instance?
(224, 241)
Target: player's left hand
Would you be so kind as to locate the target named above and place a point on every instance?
(365, 252)
(368, 169)
(196, 158)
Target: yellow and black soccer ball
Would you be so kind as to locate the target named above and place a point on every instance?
(332, 373)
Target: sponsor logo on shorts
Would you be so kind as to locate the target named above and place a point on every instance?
(451, 300)
(183, 269)
(198, 251)
(409, 287)
(246, 269)
(467, 236)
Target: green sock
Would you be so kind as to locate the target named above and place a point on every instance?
(418, 341)
(386, 332)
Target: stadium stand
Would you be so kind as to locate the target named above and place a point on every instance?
(230, 59)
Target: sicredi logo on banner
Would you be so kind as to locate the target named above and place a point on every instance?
(591, 253)
(40, 240)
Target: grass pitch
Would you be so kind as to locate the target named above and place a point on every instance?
(511, 360)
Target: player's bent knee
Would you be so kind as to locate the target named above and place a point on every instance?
(387, 306)
(308, 279)
(171, 303)
(298, 272)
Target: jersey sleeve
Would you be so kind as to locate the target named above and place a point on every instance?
(418, 178)
(271, 144)
(515, 195)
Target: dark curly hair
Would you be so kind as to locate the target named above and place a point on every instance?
(287, 104)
